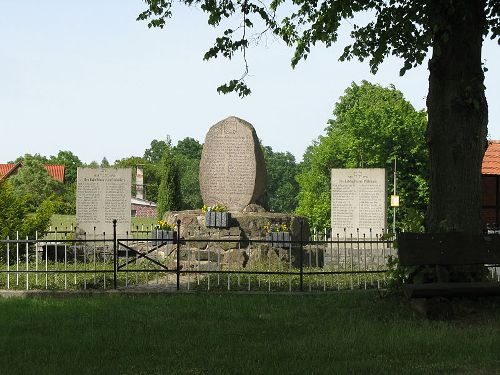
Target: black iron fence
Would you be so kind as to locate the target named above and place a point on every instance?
(66, 260)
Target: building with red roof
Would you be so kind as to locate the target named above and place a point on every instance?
(7, 170)
(56, 171)
(490, 212)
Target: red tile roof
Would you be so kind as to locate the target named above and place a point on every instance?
(7, 169)
(54, 170)
(491, 159)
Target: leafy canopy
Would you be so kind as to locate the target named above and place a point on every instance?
(16, 218)
(34, 183)
(169, 191)
(282, 186)
(402, 28)
(71, 163)
(372, 126)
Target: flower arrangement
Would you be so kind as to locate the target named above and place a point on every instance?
(217, 208)
(276, 227)
(216, 216)
(163, 225)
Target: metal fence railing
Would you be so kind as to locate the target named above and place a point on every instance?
(67, 260)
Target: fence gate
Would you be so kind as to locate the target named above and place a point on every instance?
(146, 261)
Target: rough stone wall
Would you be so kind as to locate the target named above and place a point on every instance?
(234, 249)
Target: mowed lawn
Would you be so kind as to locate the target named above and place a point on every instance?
(338, 333)
(65, 222)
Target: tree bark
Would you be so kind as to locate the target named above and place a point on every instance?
(457, 115)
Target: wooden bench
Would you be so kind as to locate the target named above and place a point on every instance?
(449, 249)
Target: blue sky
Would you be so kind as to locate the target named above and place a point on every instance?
(85, 76)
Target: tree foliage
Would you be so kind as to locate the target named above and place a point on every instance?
(34, 183)
(157, 149)
(16, 217)
(71, 163)
(372, 126)
(188, 154)
(105, 163)
(189, 147)
(405, 29)
(189, 169)
(282, 187)
(169, 191)
(67, 199)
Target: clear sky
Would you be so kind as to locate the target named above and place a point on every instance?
(85, 76)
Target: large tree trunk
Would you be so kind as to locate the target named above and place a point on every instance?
(457, 116)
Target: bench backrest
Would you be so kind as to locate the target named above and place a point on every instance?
(415, 249)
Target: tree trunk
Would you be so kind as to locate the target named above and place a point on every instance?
(457, 115)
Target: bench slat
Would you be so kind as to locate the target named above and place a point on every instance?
(415, 249)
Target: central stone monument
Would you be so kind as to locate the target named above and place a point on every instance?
(232, 166)
(233, 174)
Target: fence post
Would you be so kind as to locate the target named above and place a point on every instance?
(301, 256)
(178, 251)
(115, 258)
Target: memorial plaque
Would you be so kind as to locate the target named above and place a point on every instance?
(232, 166)
(101, 196)
(358, 201)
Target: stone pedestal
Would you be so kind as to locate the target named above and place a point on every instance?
(234, 249)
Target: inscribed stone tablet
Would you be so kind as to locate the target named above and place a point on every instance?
(232, 166)
(358, 201)
(101, 196)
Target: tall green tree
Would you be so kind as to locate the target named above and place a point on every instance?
(189, 182)
(188, 154)
(92, 164)
(105, 163)
(169, 191)
(453, 30)
(71, 163)
(282, 186)
(155, 152)
(372, 126)
(34, 183)
(18, 218)
(189, 147)
(42, 159)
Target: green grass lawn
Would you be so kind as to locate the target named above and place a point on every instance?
(64, 222)
(336, 333)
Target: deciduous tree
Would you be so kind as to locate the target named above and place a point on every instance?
(34, 183)
(71, 163)
(188, 153)
(156, 150)
(16, 216)
(282, 187)
(372, 126)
